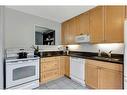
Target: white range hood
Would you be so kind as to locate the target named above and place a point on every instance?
(82, 39)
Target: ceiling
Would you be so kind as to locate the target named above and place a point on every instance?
(55, 13)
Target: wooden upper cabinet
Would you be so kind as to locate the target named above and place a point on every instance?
(104, 24)
(68, 31)
(65, 33)
(82, 24)
(126, 11)
(72, 30)
(97, 25)
(114, 24)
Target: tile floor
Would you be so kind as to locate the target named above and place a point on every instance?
(62, 83)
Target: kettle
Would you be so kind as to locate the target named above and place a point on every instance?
(22, 54)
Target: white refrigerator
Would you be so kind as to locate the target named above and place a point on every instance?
(125, 55)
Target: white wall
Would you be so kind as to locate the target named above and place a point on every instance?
(115, 47)
(19, 28)
(1, 45)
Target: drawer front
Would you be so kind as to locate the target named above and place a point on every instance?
(50, 75)
(46, 66)
(47, 59)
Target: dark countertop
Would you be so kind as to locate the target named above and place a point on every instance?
(112, 60)
(116, 58)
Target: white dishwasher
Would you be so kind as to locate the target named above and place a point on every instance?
(77, 70)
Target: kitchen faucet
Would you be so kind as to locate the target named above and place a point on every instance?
(109, 54)
(99, 52)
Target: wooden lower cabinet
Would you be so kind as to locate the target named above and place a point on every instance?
(110, 79)
(53, 68)
(49, 75)
(67, 66)
(91, 76)
(103, 75)
(50, 69)
(62, 65)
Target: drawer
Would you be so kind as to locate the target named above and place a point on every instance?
(49, 75)
(46, 66)
(47, 59)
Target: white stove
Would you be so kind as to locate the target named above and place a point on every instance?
(11, 59)
(21, 73)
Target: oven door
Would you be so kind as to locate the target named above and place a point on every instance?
(20, 72)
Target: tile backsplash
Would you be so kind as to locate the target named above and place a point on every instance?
(117, 48)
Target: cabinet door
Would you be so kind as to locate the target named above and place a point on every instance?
(50, 69)
(67, 66)
(97, 25)
(126, 12)
(82, 23)
(114, 23)
(72, 30)
(62, 65)
(49, 75)
(110, 79)
(91, 75)
(50, 65)
(65, 33)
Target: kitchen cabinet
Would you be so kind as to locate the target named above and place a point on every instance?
(67, 66)
(54, 67)
(97, 25)
(73, 27)
(69, 31)
(104, 75)
(62, 65)
(114, 24)
(107, 24)
(65, 33)
(126, 12)
(104, 24)
(50, 69)
(110, 79)
(82, 24)
(91, 74)
(49, 75)
(72, 30)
